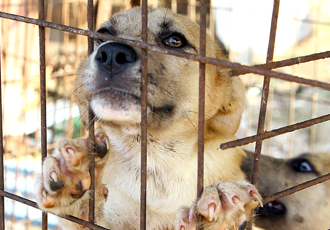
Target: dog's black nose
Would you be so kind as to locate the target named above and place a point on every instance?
(114, 57)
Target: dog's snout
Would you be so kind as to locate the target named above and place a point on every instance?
(115, 56)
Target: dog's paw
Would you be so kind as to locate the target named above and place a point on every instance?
(222, 206)
(65, 176)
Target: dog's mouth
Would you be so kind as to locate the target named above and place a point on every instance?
(112, 104)
(272, 209)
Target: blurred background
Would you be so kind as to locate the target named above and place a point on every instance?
(243, 28)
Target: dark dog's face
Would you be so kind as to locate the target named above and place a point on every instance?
(111, 76)
(307, 209)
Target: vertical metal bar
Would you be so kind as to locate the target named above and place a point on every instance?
(42, 51)
(144, 83)
(265, 91)
(91, 213)
(264, 98)
(201, 101)
(2, 178)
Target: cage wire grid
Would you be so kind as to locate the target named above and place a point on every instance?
(237, 69)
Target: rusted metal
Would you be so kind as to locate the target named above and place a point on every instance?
(91, 213)
(144, 140)
(43, 96)
(2, 178)
(296, 188)
(199, 58)
(201, 101)
(264, 99)
(284, 63)
(238, 69)
(275, 132)
(35, 205)
(265, 92)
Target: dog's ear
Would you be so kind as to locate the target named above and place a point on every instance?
(81, 99)
(230, 109)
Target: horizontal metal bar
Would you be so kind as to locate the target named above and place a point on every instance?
(143, 45)
(287, 62)
(296, 188)
(275, 132)
(34, 205)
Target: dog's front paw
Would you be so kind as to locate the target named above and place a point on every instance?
(222, 206)
(65, 176)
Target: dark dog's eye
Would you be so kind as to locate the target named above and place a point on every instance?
(107, 31)
(175, 40)
(302, 165)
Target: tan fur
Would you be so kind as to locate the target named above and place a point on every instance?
(172, 136)
(305, 210)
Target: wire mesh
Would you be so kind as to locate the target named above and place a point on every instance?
(237, 69)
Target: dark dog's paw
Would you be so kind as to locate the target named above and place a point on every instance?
(65, 177)
(222, 206)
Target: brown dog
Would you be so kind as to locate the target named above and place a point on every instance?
(305, 210)
(110, 82)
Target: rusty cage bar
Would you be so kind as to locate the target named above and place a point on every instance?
(237, 69)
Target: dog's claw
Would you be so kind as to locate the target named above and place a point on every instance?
(55, 184)
(238, 203)
(101, 149)
(211, 211)
(257, 197)
(101, 145)
(53, 176)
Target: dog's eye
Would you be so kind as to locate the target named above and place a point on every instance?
(173, 41)
(302, 165)
(107, 31)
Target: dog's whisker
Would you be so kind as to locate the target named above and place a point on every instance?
(79, 119)
(208, 116)
(65, 107)
(187, 117)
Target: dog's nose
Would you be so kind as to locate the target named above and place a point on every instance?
(114, 57)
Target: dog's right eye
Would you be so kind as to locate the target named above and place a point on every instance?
(105, 31)
(302, 165)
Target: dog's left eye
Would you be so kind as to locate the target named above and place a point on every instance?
(302, 165)
(175, 40)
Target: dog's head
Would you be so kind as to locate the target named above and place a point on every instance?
(307, 209)
(111, 77)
